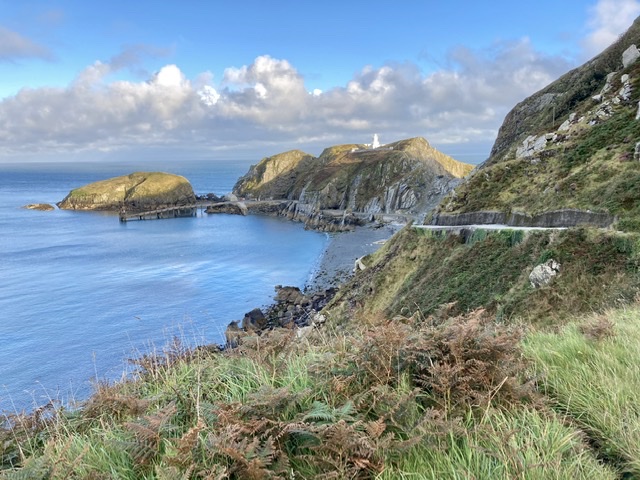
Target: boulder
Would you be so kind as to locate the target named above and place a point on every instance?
(359, 265)
(630, 55)
(636, 153)
(542, 274)
(291, 296)
(254, 320)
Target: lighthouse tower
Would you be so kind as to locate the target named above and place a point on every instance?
(375, 143)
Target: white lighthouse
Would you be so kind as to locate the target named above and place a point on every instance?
(376, 142)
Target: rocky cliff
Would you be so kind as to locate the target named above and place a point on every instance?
(136, 192)
(408, 177)
(573, 145)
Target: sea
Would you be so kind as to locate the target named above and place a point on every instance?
(81, 294)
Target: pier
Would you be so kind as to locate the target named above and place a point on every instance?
(160, 213)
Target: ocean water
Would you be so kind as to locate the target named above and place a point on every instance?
(80, 292)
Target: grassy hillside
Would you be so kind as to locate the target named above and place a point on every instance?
(588, 164)
(387, 400)
(419, 271)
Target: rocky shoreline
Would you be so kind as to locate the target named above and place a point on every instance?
(300, 309)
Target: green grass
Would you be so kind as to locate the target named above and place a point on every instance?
(505, 444)
(419, 271)
(596, 382)
(362, 403)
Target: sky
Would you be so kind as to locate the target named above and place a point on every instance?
(245, 79)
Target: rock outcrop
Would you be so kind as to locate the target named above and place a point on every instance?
(349, 184)
(542, 274)
(291, 309)
(138, 191)
(232, 208)
(44, 207)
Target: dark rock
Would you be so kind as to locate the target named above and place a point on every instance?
(233, 208)
(254, 320)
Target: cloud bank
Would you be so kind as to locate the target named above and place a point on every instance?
(266, 106)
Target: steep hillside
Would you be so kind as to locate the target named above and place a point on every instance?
(420, 271)
(573, 145)
(137, 191)
(408, 176)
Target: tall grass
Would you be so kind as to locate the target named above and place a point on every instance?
(591, 374)
(383, 399)
(520, 443)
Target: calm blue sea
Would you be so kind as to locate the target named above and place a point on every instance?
(80, 292)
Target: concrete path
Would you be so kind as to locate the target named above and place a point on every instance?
(455, 228)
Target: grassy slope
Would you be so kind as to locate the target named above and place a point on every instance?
(341, 404)
(591, 167)
(419, 271)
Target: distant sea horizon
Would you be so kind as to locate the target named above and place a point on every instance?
(81, 293)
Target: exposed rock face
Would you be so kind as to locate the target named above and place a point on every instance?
(560, 98)
(542, 274)
(406, 177)
(44, 207)
(136, 192)
(630, 55)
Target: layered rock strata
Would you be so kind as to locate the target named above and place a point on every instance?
(351, 184)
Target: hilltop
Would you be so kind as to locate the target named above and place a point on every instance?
(573, 145)
(408, 177)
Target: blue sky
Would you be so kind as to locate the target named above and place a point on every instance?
(244, 79)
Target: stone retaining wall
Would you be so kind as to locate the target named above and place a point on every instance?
(558, 218)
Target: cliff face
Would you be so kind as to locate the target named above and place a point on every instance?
(136, 192)
(573, 145)
(405, 177)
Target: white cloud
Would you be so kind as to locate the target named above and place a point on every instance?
(208, 95)
(14, 46)
(608, 19)
(267, 104)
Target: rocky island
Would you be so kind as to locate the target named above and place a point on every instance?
(137, 192)
(350, 184)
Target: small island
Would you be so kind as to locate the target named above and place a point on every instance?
(135, 193)
(43, 207)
